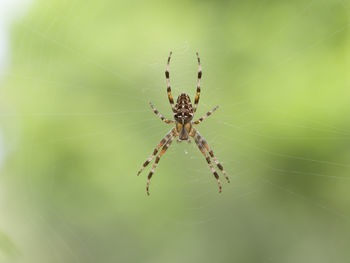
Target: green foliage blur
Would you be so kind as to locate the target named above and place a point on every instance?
(76, 128)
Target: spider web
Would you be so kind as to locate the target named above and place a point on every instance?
(76, 127)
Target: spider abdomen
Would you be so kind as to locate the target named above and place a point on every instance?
(183, 109)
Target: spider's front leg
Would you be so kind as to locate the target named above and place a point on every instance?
(211, 153)
(165, 147)
(201, 148)
(160, 145)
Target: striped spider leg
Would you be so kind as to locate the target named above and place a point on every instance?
(205, 116)
(201, 148)
(183, 130)
(164, 144)
(167, 79)
(165, 139)
(160, 115)
(196, 99)
(200, 141)
(165, 147)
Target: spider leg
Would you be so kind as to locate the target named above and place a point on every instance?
(160, 115)
(198, 83)
(160, 144)
(165, 147)
(201, 148)
(205, 116)
(171, 99)
(211, 153)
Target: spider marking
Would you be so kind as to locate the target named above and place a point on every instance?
(183, 115)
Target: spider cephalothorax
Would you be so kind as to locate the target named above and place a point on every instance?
(183, 115)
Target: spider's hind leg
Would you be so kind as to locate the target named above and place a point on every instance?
(167, 78)
(198, 92)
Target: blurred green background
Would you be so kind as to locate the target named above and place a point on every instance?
(76, 127)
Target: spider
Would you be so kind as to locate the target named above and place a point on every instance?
(183, 115)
